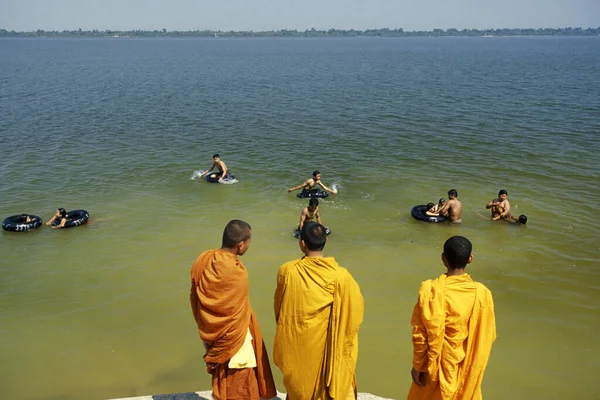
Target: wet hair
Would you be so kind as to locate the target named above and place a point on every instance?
(216, 156)
(315, 173)
(452, 192)
(457, 251)
(523, 219)
(62, 212)
(503, 191)
(442, 200)
(429, 206)
(314, 235)
(23, 217)
(236, 231)
(313, 202)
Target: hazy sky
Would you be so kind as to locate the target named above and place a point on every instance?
(258, 15)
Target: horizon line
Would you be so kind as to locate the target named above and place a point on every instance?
(312, 29)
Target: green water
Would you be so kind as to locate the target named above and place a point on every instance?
(117, 127)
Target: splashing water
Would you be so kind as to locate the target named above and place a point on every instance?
(335, 187)
(229, 181)
(197, 174)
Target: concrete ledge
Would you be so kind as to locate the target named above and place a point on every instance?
(208, 396)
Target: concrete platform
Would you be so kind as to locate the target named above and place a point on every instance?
(207, 396)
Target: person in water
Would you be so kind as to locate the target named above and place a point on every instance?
(430, 209)
(310, 213)
(500, 207)
(25, 219)
(59, 219)
(220, 165)
(453, 208)
(521, 220)
(310, 183)
(439, 205)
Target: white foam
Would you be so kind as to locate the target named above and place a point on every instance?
(197, 174)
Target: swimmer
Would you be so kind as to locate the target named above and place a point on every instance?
(453, 207)
(220, 165)
(310, 213)
(311, 183)
(59, 219)
(439, 205)
(430, 210)
(500, 206)
(25, 219)
(521, 220)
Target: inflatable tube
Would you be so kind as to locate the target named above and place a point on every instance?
(296, 232)
(418, 212)
(17, 223)
(213, 177)
(320, 194)
(74, 218)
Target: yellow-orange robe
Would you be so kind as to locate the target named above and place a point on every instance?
(318, 309)
(453, 331)
(221, 308)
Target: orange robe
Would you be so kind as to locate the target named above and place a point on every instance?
(453, 331)
(318, 309)
(221, 307)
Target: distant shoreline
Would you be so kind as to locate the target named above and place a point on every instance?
(385, 32)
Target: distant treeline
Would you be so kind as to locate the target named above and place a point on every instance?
(310, 33)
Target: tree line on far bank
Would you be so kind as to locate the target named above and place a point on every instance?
(384, 32)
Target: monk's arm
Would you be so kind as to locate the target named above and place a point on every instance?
(279, 291)
(419, 339)
(194, 303)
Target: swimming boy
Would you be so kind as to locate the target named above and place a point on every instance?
(310, 213)
(311, 183)
(500, 206)
(453, 208)
(439, 205)
(59, 219)
(521, 220)
(220, 165)
(430, 209)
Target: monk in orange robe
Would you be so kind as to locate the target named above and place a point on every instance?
(453, 330)
(318, 309)
(235, 352)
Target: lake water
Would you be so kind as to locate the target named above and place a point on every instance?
(118, 126)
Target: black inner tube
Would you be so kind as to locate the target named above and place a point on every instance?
(16, 223)
(418, 212)
(320, 194)
(74, 218)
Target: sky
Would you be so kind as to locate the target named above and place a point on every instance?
(264, 15)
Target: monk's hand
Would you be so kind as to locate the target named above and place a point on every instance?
(417, 377)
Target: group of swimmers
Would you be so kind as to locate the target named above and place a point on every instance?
(452, 209)
(58, 220)
(500, 208)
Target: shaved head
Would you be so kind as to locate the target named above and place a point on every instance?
(236, 231)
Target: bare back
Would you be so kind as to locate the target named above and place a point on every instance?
(455, 211)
